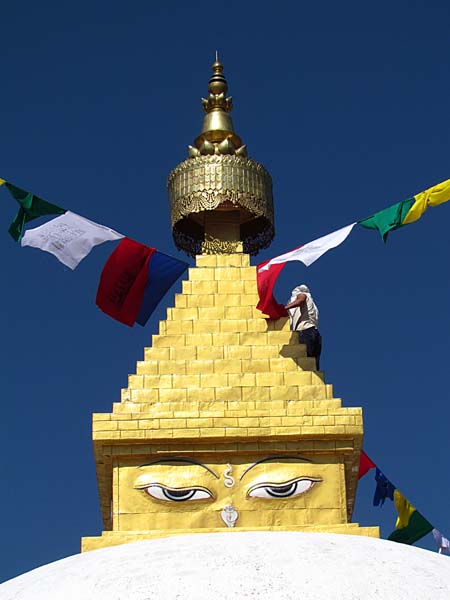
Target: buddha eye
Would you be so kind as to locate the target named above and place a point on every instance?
(162, 492)
(289, 489)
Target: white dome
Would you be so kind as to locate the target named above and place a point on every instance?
(239, 565)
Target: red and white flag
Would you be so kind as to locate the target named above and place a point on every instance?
(268, 271)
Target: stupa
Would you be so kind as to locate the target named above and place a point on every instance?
(227, 444)
(226, 426)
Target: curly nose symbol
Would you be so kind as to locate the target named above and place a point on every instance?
(229, 479)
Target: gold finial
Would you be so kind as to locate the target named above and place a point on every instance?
(221, 200)
(217, 88)
(217, 125)
(217, 83)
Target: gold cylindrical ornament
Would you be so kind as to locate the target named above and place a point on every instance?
(221, 182)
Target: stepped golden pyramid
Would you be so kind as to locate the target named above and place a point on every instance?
(226, 425)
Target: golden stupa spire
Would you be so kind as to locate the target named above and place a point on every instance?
(217, 124)
(225, 425)
(221, 200)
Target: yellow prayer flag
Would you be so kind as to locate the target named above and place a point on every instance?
(432, 197)
(404, 508)
(2, 181)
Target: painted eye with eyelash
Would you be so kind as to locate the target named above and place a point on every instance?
(289, 489)
(162, 492)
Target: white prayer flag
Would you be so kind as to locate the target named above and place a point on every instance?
(311, 251)
(69, 237)
(442, 542)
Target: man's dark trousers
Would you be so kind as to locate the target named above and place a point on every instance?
(313, 340)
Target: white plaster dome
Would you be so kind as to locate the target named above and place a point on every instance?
(240, 565)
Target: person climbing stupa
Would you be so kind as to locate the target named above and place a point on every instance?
(304, 316)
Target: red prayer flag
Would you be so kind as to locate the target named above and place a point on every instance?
(266, 281)
(123, 281)
(365, 464)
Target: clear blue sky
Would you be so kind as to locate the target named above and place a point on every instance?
(347, 105)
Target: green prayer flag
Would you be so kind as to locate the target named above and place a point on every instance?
(416, 529)
(389, 219)
(31, 207)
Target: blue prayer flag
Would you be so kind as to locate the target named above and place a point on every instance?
(163, 271)
(385, 489)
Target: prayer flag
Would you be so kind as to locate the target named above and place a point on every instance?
(69, 237)
(2, 181)
(384, 489)
(442, 542)
(433, 196)
(265, 281)
(31, 207)
(365, 464)
(123, 280)
(164, 270)
(389, 219)
(131, 285)
(311, 251)
(267, 272)
(411, 525)
(407, 211)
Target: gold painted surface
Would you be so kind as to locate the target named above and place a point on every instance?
(116, 538)
(222, 385)
(149, 493)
